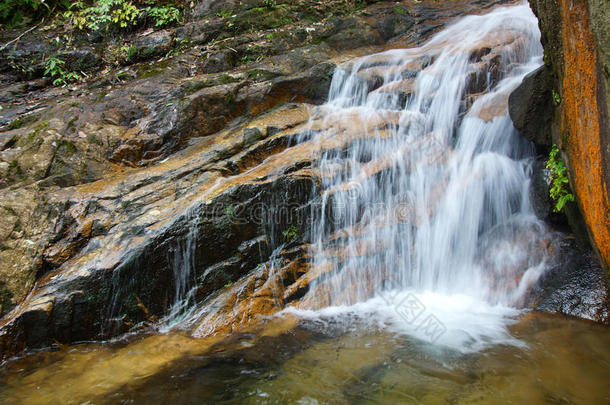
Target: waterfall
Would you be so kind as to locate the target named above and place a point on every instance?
(422, 208)
(424, 180)
(182, 259)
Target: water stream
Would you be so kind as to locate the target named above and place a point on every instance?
(439, 195)
(427, 209)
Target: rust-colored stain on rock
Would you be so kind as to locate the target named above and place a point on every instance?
(580, 119)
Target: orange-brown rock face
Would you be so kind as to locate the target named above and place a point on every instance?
(576, 55)
(584, 130)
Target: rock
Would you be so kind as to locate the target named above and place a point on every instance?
(103, 180)
(138, 263)
(395, 24)
(574, 285)
(574, 36)
(347, 33)
(218, 62)
(252, 135)
(539, 189)
(81, 60)
(531, 107)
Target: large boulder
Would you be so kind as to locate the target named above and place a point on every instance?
(531, 107)
(575, 39)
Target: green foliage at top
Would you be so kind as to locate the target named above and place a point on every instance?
(15, 12)
(164, 15)
(560, 185)
(103, 13)
(54, 68)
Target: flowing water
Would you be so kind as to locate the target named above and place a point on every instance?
(424, 246)
(437, 198)
(429, 204)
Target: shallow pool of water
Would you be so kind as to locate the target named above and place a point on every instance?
(315, 361)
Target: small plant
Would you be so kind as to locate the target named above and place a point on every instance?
(16, 12)
(102, 13)
(270, 3)
(53, 68)
(560, 185)
(164, 15)
(290, 234)
(229, 284)
(556, 98)
(224, 13)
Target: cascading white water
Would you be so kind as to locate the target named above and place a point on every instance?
(425, 181)
(182, 258)
(424, 189)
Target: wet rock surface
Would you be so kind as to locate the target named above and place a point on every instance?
(531, 107)
(549, 108)
(576, 58)
(103, 181)
(574, 286)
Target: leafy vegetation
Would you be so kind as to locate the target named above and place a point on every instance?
(560, 185)
(15, 12)
(224, 13)
(164, 15)
(103, 13)
(290, 234)
(556, 98)
(54, 69)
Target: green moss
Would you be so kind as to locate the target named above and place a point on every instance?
(260, 75)
(15, 124)
(226, 79)
(101, 96)
(259, 18)
(400, 10)
(224, 13)
(32, 135)
(148, 70)
(193, 86)
(71, 125)
(94, 139)
(14, 169)
(21, 122)
(69, 146)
